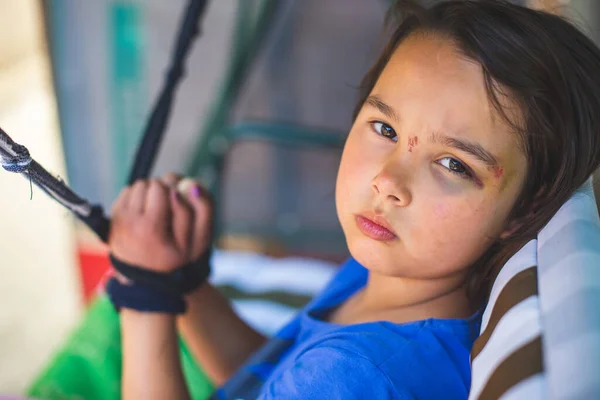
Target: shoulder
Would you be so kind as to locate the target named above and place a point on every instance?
(331, 371)
(400, 359)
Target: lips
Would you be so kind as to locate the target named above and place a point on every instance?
(375, 227)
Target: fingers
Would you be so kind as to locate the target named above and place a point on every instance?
(185, 185)
(201, 203)
(182, 220)
(121, 201)
(192, 209)
(150, 231)
(171, 179)
(157, 207)
(137, 197)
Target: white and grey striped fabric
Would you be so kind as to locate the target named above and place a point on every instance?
(267, 292)
(540, 334)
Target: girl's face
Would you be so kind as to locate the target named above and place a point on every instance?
(430, 171)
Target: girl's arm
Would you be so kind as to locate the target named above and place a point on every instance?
(158, 229)
(151, 227)
(151, 365)
(219, 340)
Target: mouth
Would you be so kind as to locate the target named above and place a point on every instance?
(375, 227)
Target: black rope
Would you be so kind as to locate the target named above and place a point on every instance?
(16, 158)
(155, 128)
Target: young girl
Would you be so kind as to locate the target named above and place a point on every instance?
(477, 122)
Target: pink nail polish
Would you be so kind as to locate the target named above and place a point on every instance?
(196, 192)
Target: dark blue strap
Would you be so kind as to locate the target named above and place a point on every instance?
(179, 282)
(155, 127)
(143, 298)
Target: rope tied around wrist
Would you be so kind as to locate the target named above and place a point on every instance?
(152, 291)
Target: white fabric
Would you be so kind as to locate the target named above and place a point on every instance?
(524, 259)
(569, 285)
(533, 388)
(567, 252)
(257, 274)
(518, 327)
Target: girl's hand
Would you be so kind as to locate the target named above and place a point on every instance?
(155, 227)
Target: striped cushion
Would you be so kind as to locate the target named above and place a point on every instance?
(540, 334)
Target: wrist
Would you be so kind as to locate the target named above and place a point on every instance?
(142, 298)
(146, 317)
(200, 291)
(145, 328)
(179, 281)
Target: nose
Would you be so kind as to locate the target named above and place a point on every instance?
(391, 186)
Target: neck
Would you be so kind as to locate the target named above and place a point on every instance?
(416, 299)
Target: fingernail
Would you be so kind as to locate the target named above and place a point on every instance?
(174, 194)
(196, 192)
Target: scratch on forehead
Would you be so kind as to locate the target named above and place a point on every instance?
(412, 142)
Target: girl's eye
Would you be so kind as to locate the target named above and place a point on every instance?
(455, 166)
(385, 130)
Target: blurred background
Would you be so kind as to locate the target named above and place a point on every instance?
(260, 119)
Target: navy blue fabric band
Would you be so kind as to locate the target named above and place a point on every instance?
(181, 281)
(143, 298)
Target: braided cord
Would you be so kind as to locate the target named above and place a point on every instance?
(16, 158)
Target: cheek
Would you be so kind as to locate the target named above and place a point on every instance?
(346, 169)
(441, 211)
(456, 236)
(347, 173)
(357, 166)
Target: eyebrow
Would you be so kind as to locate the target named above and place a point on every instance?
(375, 101)
(468, 147)
(474, 149)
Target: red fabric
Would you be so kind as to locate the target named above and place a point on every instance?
(94, 268)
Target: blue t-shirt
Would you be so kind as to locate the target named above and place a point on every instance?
(314, 359)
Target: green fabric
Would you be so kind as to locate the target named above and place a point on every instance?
(88, 367)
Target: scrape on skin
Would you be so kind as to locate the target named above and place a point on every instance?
(497, 172)
(412, 142)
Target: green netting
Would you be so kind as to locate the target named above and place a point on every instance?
(88, 367)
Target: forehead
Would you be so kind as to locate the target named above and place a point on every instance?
(435, 88)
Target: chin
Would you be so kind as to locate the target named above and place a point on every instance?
(374, 256)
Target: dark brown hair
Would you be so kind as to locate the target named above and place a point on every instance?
(551, 71)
